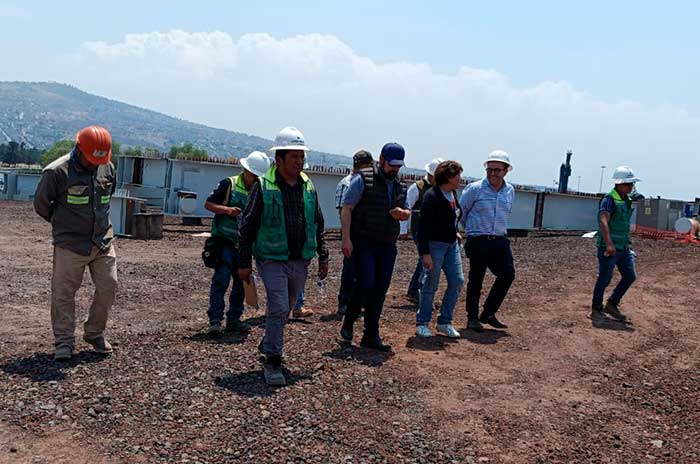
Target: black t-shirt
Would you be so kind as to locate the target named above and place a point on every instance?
(219, 194)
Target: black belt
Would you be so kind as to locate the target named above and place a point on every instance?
(485, 237)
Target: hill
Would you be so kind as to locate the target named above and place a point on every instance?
(40, 113)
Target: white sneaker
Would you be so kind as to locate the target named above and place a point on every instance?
(423, 331)
(447, 329)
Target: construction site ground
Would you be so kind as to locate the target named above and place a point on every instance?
(552, 388)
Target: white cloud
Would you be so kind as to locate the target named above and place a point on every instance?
(343, 101)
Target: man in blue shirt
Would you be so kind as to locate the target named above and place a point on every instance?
(372, 208)
(486, 205)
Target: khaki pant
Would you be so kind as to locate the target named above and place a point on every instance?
(68, 271)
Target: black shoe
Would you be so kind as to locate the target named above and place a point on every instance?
(375, 344)
(614, 311)
(346, 330)
(597, 313)
(475, 325)
(237, 326)
(493, 322)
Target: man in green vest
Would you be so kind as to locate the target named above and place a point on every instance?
(282, 226)
(226, 202)
(613, 244)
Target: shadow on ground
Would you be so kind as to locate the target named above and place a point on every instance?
(487, 337)
(252, 384)
(611, 324)
(347, 352)
(436, 343)
(41, 367)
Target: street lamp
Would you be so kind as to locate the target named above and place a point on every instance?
(602, 170)
(578, 185)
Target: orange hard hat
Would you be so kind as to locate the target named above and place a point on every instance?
(96, 144)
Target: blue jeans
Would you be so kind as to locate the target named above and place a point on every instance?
(446, 258)
(223, 273)
(301, 297)
(416, 280)
(374, 266)
(624, 260)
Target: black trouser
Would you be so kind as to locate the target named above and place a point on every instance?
(373, 265)
(486, 251)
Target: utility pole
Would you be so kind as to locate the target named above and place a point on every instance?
(602, 170)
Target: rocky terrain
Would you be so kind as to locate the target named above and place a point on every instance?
(552, 388)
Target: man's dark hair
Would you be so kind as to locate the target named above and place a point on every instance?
(447, 170)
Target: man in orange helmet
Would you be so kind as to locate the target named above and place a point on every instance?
(73, 195)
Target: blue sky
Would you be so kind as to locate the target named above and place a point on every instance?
(637, 59)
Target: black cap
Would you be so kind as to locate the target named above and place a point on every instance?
(361, 157)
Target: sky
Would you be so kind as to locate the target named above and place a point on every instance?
(615, 82)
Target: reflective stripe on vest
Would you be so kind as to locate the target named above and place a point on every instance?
(104, 199)
(78, 199)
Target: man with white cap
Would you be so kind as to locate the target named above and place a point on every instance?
(613, 244)
(282, 225)
(414, 201)
(486, 205)
(226, 202)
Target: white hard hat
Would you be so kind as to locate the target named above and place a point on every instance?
(290, 138)
(500, 156)
(430, 167)
(624, 175)
(256, 162)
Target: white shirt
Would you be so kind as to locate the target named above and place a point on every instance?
(412, 195)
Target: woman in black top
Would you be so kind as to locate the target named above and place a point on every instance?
(438, 246)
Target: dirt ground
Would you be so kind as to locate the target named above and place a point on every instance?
(553, 387)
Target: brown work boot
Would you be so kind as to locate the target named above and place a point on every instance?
(302, 312)
(99, 344)
(614, 311)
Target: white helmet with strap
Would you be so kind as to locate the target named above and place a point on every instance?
(624, 175)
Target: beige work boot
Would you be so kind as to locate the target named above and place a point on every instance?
(302, 312)
(99, 344)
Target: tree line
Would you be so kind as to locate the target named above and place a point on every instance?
(18, 153)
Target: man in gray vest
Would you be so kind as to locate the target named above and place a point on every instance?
(227, 202)
(414, 201)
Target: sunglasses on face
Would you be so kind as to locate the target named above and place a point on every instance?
(495, 170)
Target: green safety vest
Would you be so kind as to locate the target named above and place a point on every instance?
(224, 226)
(619, 222)
(271, 242)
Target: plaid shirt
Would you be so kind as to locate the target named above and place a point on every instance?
(293, 204)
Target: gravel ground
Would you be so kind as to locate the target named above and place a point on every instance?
(551, 388)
